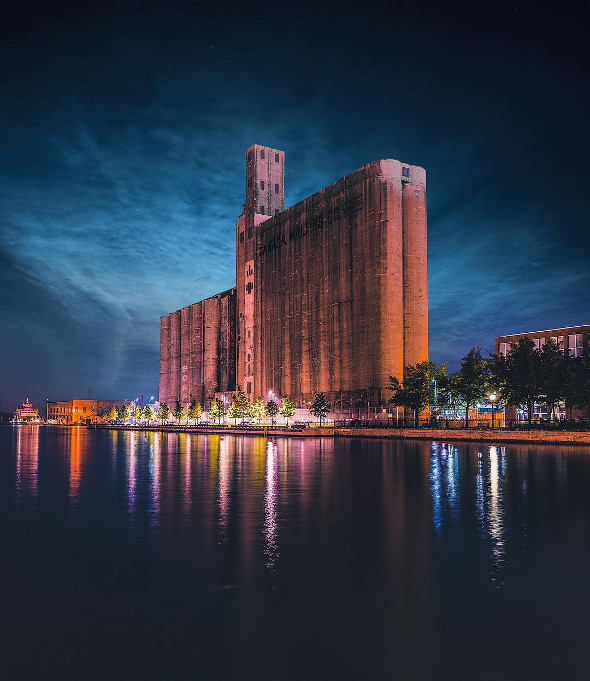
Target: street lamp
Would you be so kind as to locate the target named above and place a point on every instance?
(493, 398)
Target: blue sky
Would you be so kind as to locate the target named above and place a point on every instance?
(123, 133)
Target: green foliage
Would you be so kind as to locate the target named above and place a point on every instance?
(125, 412)
(195, 410)
(163, 412)
(235, 410)
(244, 406)
(136, 413)
(519, 374)
(259, 409)
(216, 410)
(417, 387)
(471, 384)
(553, 376)
(113, 414)
(148, 413)
(319, 407)
(179, 412)
(272, 409)
(287, 409)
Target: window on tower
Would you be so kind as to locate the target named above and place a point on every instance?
(262, 185)
(262, 153)
(249, 155)
(261, 210)
(405, 172)
(276, 188)
(276, 158)
(276, 211)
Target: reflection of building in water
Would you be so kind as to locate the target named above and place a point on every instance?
(75, 437)
(71, 412)
(224, 487)
(271, 491)
(444, 482)
(131, 473)
(489, 493)
(26, 445)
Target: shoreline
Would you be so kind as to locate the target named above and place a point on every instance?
(460, 434)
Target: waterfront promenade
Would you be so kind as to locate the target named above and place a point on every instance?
(442, 434)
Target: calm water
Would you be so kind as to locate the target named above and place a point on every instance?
(140, 556)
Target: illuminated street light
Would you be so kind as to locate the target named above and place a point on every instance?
(493, 397)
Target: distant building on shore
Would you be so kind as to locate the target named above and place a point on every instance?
(72, 412)
(570, 339)
(26, 413)
(331, 293)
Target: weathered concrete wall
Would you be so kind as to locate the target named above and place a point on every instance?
(197, 350)
(341, 287)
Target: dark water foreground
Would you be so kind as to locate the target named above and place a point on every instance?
(132, 555)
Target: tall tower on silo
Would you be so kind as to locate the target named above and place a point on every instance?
(265, 198)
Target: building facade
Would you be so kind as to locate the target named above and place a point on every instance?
(570, 338)
(198, 350)
(74, 412)
(331, 293)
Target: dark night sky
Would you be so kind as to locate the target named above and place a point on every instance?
(123, 129)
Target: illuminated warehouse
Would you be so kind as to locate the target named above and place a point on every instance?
(330, 296)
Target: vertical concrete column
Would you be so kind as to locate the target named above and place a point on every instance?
(391, 280)
(415, 271)
(164, 358)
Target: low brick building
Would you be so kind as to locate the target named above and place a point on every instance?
(73, 412)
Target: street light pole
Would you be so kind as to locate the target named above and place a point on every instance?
(493, 398)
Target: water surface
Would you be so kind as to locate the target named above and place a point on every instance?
(166, 556)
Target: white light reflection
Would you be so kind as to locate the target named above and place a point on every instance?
(495, 509)
(155, 463)
(26, 442)
(270, 529)
(131, 473)
(435, 487)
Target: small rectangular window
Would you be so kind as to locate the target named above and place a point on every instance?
(249, 388)
(276, 211)
(249, 155)
(276, 188)
(262, 153)
(249, 232)
(405, 172)
(262, 185)
(249, 182)
(262, 210)
(241, 237)
(276, 158)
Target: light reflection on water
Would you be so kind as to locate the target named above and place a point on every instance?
(385, 551)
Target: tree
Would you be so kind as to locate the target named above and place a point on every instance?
(235, 411)
(416, 389)
(244, 406)
(259, 409)
(319, 407)
(163, 413)
(576, 384)
(195, 410)
(287, 409)
(136, 413)
(471, 383)
(179, 412)
(113, 414)
(148, 413)
(553, 376)
(519, 375)
(125, 412)
(272, 409)
(216, 410)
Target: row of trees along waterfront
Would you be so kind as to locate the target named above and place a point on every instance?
(240, 409)
(522, 378)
